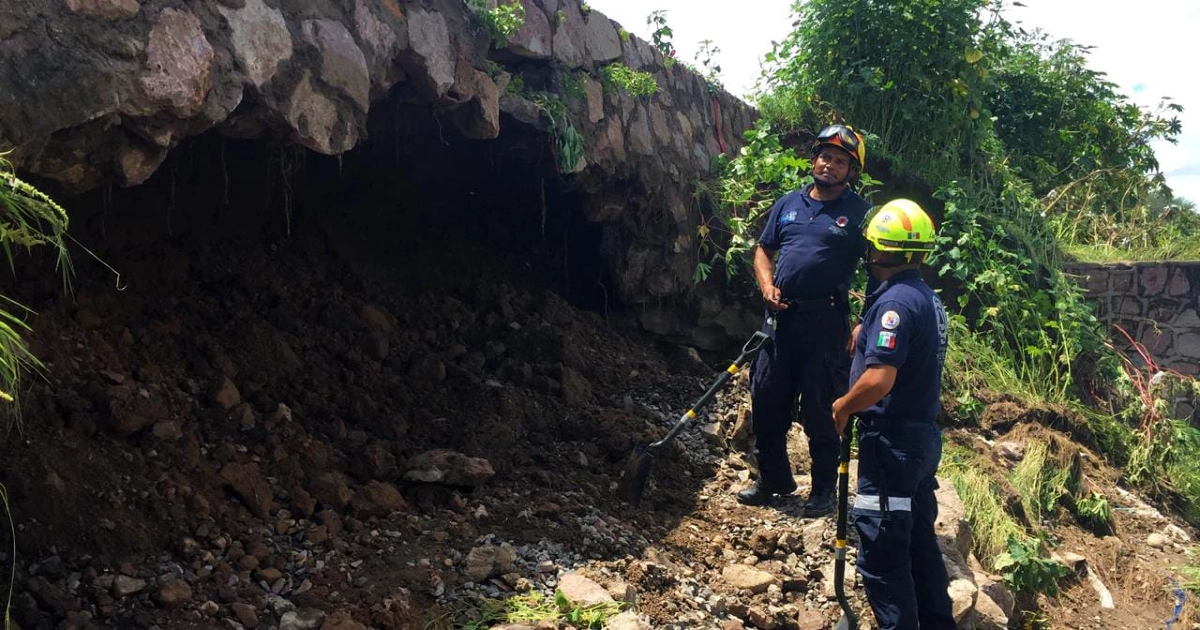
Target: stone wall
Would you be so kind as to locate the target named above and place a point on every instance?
(94, 92)
(1158, 304)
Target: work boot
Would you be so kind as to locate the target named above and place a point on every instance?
(761, 493)
(821, 502)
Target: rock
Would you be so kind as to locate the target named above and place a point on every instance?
(376, 318)
(477, 111)
(581, 591)
(332, 490)
(210, 608)
(762, 619)
(986, 615)
(628, 620)
(489, 560)
(747, 578)
(378, 499)
(245, 614)
(168, 430)
(812, 620)
(226, 394)
(429, 38)
(179, 61)
(736, 624)
(1000, 595)
(623, 592)
(305, 619)
(107, 9)
(131, 409)
(249, 484)
(260, 38)
(762, 542)
(576, 390)
(1156, 540)
(601, 40)
(343, 65)
(568, 47)
(533, 39)
(952, 528)
(962, 598)
(342, 620)
(318, 121)
(124, 586)
(174, 594)
(449, 468)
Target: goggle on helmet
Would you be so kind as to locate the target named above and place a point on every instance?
(900, 225)
(845, 138)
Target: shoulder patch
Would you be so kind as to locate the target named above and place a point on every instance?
(886, 340)
(890, 320)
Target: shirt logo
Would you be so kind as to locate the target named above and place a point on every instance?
(890, 320)
(887, 340)
(787, 217)
(842, 221)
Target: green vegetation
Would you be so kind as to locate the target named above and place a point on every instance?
(1026, 569)
(623, 34)
(567, 143)
(528, 608)
(636, 83)
(28, 219)
(1029, 157)
(661, 36)
(502, 22)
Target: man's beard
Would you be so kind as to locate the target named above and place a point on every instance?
(820, 183)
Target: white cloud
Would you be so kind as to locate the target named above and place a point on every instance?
(1144, 49)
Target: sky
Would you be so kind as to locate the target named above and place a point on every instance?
(1148, 52)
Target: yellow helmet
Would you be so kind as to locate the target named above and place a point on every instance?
(900, 225)
(845, 138)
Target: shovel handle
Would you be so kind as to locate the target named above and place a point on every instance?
(753, 345)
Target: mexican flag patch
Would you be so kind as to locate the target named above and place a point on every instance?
(886, 340)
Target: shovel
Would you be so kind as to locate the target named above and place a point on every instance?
(637, 469)
(848, 621)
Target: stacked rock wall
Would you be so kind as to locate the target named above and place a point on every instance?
(1158, 304)
(94, 92)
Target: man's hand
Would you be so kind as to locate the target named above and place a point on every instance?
(853, 340)
(774, 298)
(840, 416)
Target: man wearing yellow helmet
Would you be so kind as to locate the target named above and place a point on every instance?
(895, 390)
(804, 262)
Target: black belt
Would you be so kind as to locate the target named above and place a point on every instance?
(816, 304)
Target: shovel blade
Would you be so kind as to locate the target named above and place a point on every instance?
(634, 475)
(844, 624)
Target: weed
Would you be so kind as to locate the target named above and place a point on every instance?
(560, 18)
(623, 34)
(501, 22)
(567, 143)
(28, 219)
(991, 526)
(572, 84)
(636, 83)
(527, 608)
(1044, 477)
(1094, 512)
(1027, 569)
(709, 68)
(661, 36)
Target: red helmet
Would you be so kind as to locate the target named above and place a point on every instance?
(845, 138)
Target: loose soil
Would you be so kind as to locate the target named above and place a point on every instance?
(214, 443)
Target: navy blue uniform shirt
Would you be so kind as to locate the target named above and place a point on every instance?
(904, 327)
(819, 242)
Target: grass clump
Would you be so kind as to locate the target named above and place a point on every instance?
(991, 525)
(620, 76)
(28, 219)
(526, 608)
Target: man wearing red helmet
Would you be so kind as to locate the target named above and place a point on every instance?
(806, 256)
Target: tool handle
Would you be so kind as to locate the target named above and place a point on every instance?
(849, 621)
(753, 345)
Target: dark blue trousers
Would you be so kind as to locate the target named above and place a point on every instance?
(894, 512)
(807, 359)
